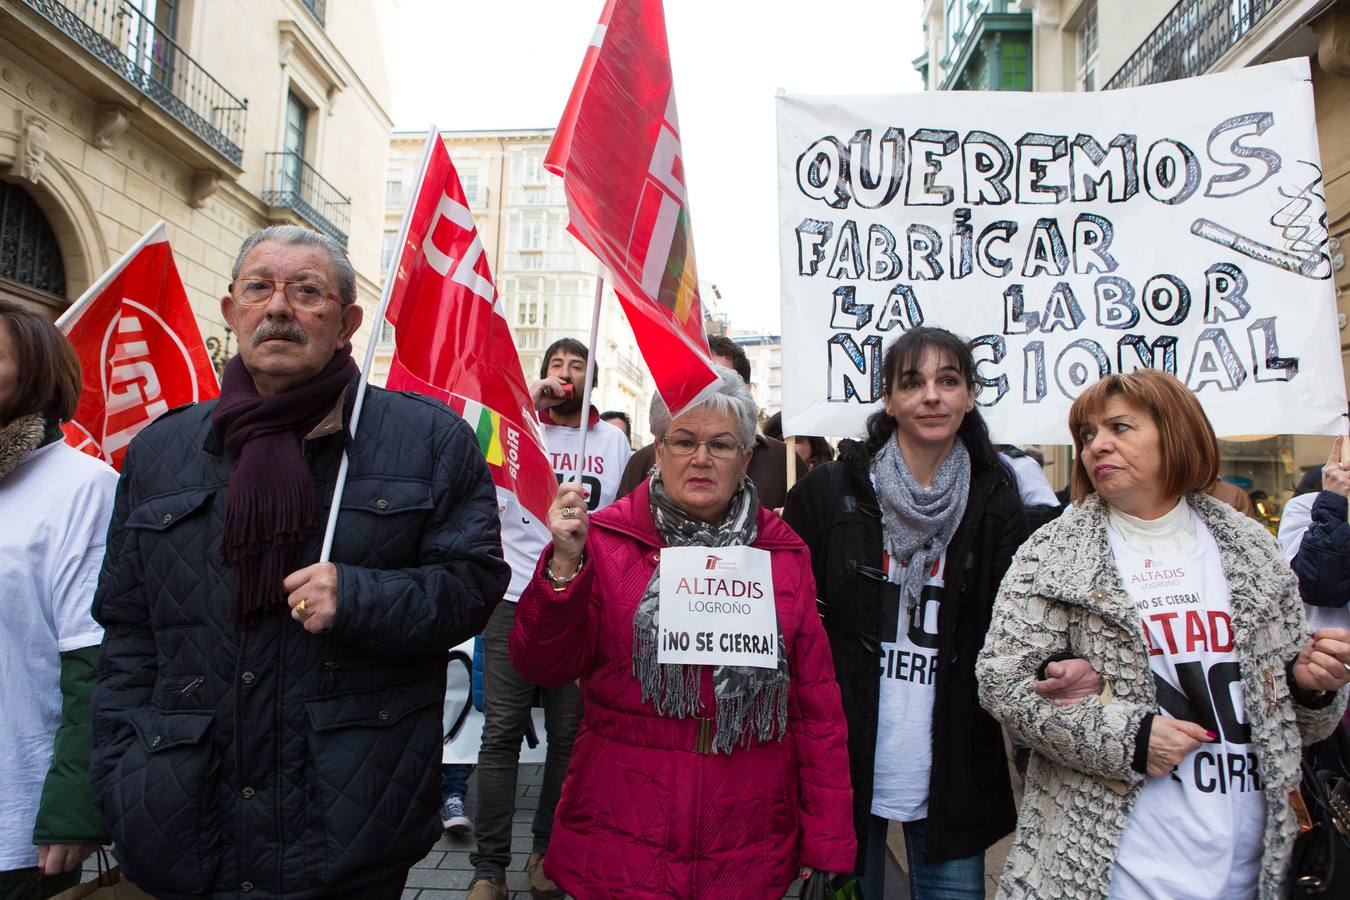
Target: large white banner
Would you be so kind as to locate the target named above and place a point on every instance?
(1066, 236)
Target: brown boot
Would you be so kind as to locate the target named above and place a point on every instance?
(541, 886)
(487, 889)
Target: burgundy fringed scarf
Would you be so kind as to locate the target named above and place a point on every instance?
(271, 508)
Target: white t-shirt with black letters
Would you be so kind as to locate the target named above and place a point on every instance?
(909, 656)
(1196, 833)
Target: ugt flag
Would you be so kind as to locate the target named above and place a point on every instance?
(617, 149)
(140, 350)
(452, 340)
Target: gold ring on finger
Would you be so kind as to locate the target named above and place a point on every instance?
(569, 512)
(299, 610)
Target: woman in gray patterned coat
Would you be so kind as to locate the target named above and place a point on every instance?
(1171, 782)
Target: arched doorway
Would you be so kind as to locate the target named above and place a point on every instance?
(31, 268)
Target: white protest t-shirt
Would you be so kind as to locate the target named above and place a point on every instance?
(904, 757)
(54, 512)
(524, 537)
(1195, 834)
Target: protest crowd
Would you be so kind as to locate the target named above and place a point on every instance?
(233, 641)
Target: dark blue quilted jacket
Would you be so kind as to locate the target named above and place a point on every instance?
(1322, 563)
(273, 762)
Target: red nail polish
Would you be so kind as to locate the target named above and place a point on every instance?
(1211, 735)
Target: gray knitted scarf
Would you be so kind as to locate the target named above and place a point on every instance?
(919, 521)
(750, 700)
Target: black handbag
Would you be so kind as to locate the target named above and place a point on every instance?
(817, 887)
(1320, 868)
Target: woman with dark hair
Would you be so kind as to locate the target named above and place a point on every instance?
(55, 503)
(910, 533)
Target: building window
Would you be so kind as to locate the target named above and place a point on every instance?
(955, 15)
(151, 38)
(534, 170)
(1087, 48)
(469, 181)
(1014, 62)
(31, 257)
(294, 141)
(387, 248)
(393, 192)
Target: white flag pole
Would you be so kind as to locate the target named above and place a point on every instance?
(155, 233)
(432, 136)
(590, 374)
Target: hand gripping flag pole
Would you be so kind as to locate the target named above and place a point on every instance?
(433, 135)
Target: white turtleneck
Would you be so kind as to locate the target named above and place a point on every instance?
(1173, 531)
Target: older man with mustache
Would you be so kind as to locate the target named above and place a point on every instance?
(267, 724)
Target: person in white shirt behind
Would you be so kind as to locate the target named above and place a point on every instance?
(1171, 781)
(55, 503)
(507, 695)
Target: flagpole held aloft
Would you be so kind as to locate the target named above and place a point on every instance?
(156, 233)
(590, 375)
(433, 135)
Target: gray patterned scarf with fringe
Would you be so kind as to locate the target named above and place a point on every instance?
(919, 521)
(751, 701)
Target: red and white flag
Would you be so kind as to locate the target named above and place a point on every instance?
(140, 350)
(617, 149)
(452, 340)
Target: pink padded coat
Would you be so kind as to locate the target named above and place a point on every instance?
(643, 813)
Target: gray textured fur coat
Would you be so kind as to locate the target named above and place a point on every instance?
(1064, 593)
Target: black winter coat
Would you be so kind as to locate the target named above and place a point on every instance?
(835, 511)
(271, 761)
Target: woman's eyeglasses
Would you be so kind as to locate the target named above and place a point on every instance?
(718, 448)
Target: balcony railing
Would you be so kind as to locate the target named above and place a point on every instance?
(124, 39)
(317, 8)
(293, 184)
(1190, 39)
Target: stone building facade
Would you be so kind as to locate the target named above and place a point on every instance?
(217, 116)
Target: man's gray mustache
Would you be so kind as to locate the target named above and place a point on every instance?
(287, 331)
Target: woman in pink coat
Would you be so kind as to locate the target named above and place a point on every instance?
(708, 781)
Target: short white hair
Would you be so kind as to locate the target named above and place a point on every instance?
(732, 397)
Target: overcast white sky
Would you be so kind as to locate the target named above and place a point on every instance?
(511, 64)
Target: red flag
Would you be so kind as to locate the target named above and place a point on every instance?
(140, 351)
(617, 149)
(453, 341)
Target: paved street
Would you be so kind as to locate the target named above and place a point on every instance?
(445, 873)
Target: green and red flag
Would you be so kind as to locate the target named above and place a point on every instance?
(618, 152)
(452, 340)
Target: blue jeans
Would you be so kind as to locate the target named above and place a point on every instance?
(454, 779)
(952, 879)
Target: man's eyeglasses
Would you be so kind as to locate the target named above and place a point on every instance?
(718, 448)
(300, 294)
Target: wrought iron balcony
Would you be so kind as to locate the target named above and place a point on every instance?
(121, 37)
(293, 184)
(1191, 38)
(317, 8)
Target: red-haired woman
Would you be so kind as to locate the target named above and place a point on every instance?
(1171, 782)
(55, 503)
